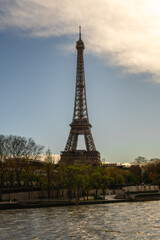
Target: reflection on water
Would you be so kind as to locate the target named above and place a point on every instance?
(136, 221)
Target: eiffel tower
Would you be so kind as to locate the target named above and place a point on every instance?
(80, 123)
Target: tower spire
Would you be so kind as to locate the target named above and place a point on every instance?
(79, 32)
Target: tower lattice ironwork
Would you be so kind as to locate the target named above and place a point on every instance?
(80, 123)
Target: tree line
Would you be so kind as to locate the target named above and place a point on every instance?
(18, 171)
(77, 180)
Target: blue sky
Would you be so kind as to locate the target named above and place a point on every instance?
(38, 73)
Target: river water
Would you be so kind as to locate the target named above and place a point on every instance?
(129, 221)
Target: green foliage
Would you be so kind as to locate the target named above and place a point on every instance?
(48, 173)
(77, 179)
(28, 176)
(151, 173)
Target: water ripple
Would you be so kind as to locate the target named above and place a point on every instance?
(120, 221)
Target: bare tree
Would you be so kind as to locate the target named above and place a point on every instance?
(16, 146)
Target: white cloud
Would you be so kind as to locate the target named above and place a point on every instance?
(123, 32)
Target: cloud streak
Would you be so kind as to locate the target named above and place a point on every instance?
(124, 33)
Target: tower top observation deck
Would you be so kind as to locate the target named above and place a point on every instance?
(80, 43)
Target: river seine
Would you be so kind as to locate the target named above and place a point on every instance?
(136, 221)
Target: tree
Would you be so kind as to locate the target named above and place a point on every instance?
(87, 175)
(29, 176)
(136, 175)
(106, 179)
(3, 176)
(151, 173)
(96, 179)
(76, 180)
(16, 146)
(117, 176)
(140, 160)
(61, 178)
(49, 172)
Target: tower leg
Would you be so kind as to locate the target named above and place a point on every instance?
(74, 142)
(71, 142)
(89, 141)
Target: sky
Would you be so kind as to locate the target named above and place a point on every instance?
(122, 71)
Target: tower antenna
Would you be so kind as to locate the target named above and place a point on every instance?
(79, 32)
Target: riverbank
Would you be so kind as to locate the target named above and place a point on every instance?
(36, 203)
(52, 203)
